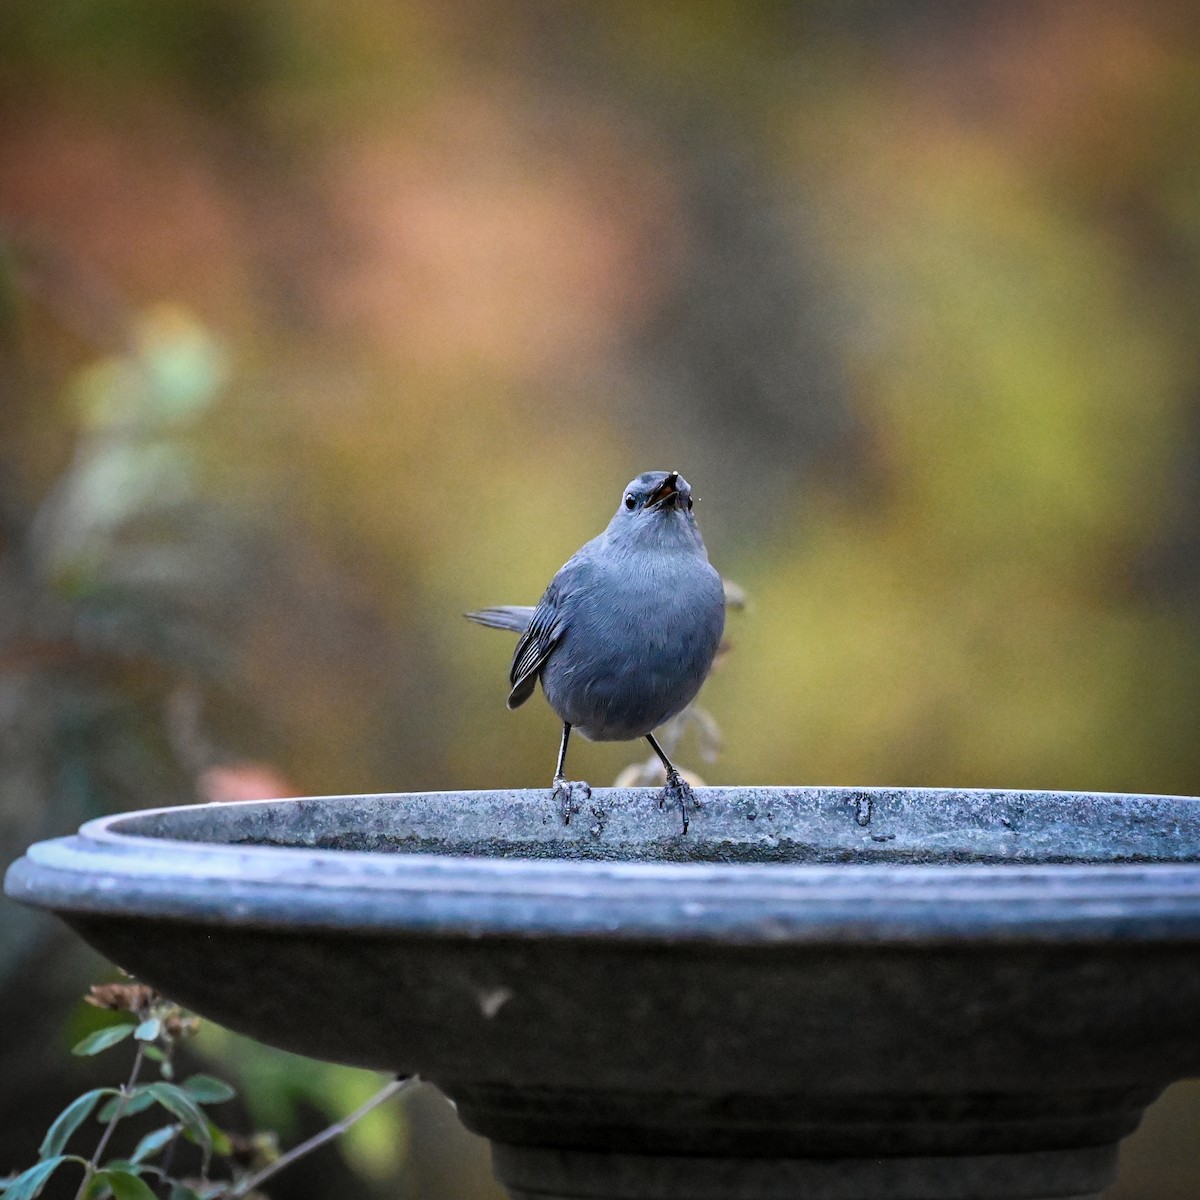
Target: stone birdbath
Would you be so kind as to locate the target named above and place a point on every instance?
(817, 993)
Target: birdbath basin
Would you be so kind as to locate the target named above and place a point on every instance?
(827, 993)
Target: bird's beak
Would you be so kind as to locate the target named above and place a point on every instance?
(664, 492)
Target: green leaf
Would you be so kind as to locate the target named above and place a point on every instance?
(29, 1183)
(205, 1089)
(69, 1120)
(95, 1191)
(221, 1145)
(181, 1191)
(138, 1101)
(148, 1030)
(175, 1100)
(126, 1185)
(153, 1142)
(122, 1164)
(101, 1039)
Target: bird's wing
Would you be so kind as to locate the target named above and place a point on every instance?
(513, 617)
(539, 639)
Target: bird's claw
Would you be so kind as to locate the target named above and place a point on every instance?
(679, 793)
(571, 795)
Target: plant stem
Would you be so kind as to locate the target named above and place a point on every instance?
(395, 1087)
(168, 1159)
(118, 1112)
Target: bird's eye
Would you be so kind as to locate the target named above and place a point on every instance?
(630, 502)
(689, 504)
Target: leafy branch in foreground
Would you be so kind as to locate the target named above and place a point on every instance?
(156, 1027)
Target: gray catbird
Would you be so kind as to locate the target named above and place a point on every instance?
(627, 630)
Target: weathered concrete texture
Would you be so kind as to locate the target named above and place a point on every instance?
(733, 825)
(834, 993)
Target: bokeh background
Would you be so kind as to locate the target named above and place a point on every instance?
(321, 324)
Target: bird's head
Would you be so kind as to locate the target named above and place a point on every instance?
(657, 506)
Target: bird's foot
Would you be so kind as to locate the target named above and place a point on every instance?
(678, 793)
(571, 795)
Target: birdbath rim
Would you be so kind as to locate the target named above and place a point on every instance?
(761, 865)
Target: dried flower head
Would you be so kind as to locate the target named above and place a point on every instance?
(134, 998)
(178, 1024)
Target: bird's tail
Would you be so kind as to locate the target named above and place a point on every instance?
(513, 617)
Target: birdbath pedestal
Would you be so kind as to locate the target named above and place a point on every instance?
(827, 993)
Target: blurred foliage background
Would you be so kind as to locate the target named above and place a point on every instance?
(321, 324)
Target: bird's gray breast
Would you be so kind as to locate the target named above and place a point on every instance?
(640, 635)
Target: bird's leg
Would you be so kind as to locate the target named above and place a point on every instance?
(562, 754)
(678, 790)
(570, 796)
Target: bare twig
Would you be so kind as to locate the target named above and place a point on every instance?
(118, 1112)
(251, 1182)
